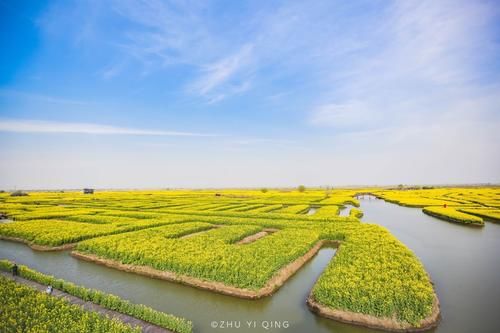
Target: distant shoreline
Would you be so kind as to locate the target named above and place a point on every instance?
(287, 188)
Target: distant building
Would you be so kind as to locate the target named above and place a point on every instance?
(88, 191)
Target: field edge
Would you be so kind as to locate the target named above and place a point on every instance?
(271, 286)
(365, 320)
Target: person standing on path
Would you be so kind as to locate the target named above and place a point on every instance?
(15, 270)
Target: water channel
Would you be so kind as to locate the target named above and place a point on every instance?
(462, 261)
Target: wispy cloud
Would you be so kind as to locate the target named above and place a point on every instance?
(113, 70)
(170, 33)
(165, 32)
(420, 63)
(37, 126)
(218, 75)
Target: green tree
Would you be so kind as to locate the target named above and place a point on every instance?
(301, 188)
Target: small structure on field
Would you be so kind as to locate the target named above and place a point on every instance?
(88, 191)
(18, 193)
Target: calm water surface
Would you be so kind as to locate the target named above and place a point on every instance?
(462, 261)
(346, 210)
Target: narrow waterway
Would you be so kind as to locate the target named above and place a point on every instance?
(312, 210)
(287, 308)
(344, 211)
(462, 261)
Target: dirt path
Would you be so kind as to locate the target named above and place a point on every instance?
(89, 306)
(253, 238)
(215, 226)
(259, 235)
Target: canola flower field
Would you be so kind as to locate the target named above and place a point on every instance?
(24, 309)
(197, 234)
(108, 301)
(461, 205)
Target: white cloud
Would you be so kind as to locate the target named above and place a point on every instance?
(36, 126)
(423, 60)
(165, 32)
(399, 93)
(217, 75)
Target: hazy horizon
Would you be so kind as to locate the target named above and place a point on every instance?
(218, 94)
(258, 188)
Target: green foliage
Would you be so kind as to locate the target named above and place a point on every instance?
(453, 215)
(24, 309)
(293, 209)
(301, 188)
(147, 228)
(109, 301)
(484, 212)
(356, 213)
(374, 273)
(327, 211)
(396, 283)
(52, 232)
(6, 265)
(212, 255)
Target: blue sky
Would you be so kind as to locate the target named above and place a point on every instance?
(248, 93)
